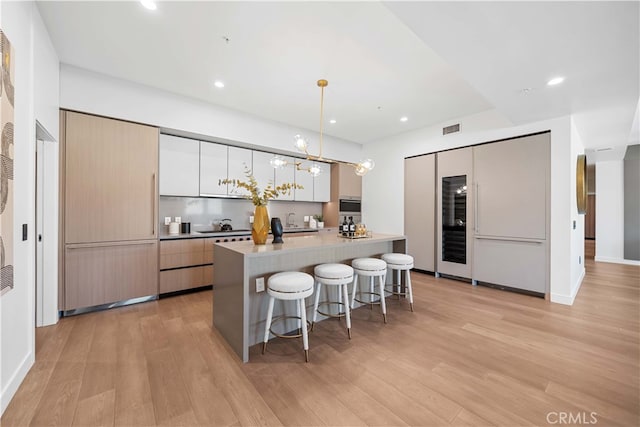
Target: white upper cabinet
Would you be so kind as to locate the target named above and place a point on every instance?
(322, 184)
(239, 162)
(305, 179)
(179, 159)
(213, 167)
(284, 175)
(263, 172)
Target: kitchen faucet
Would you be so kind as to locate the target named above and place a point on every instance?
(289, 222)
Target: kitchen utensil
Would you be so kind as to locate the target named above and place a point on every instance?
(225, 226)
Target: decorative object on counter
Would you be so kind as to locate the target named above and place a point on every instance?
(319, 221)
(278, 162)
(313, 223)
(276, 229)
(225, 226)
(174, 228)
(185, 227)
(260, 227)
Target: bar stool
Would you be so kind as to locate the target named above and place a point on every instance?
(372, 268)
(400, 263)
(289, 286)
(333, 275)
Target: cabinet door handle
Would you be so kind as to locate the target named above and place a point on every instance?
(476, 226)
(153, 204)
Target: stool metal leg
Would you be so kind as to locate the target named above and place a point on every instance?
(371, 292)
(268, 324)
(303, 318)
(315, 305)
(382, 302)
(347, 315)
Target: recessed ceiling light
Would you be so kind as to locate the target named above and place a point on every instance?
(218, 84)
(555, 81)
(332, 121)
(404, 119)
(149, 4)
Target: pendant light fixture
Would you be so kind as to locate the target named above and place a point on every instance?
(302, 145)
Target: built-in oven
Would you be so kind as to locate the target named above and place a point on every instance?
(350, 206)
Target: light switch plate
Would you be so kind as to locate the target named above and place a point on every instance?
(179, 219)
(167, 220)
(306, 218)
(260, 284)
(250, 219)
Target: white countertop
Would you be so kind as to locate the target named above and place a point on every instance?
(303, 243)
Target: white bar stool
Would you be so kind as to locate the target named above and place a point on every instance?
(339, 275)
(289, 286)
(400, 263)
(370, 267)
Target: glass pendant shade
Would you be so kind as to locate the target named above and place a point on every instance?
(300, 143)
(278, 162)
(315, 169)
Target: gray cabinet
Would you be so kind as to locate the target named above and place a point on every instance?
(263, 172)
(322, 184)
(454, 232)
(238, 161)
(512, 219)
(305, 179)
(179, 166)
(213, 167)
(284, 175)
(420, 209)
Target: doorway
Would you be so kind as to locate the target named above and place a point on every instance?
(46, 228)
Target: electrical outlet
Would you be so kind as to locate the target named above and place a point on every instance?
(250, 219)
(179, 220)
(167, 220)
(260, 284)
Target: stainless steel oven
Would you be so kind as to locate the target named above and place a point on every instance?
(350, 206)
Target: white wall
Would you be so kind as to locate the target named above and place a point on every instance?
(383, 198)
(610, 211)
(86, 91)
(577, 233)
(22, 24)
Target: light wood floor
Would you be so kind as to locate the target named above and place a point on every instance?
(466, 356)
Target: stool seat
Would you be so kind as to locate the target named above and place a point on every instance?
(399, 261)
(333, 271)
(290, 282)
(369, 265)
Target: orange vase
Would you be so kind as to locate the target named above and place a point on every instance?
(260, 228)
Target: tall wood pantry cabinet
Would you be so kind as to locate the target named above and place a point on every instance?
(109, 198)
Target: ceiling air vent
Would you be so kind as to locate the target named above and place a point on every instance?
(451, 129)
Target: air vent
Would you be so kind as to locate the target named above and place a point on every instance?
(451, 129)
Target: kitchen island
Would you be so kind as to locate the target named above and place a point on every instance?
(239, 312)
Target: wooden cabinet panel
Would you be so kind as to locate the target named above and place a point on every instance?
(512, 179)
(305, 179)
(179, 166)
(105, 273)
(454, 232)
(110, 180)
(349, 184)
(240, 160)
(590, 218)
(322, 184)
(185, 278)
(208, 251)
(516, 264)
(419, 210)
(181, 253)
(213, 167)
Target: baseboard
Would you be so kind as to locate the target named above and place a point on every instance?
(16, 379)
(616, 260)
(569, 299)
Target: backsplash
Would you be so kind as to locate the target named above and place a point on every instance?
(203, 212)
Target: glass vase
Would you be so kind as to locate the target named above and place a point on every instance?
(260, 228)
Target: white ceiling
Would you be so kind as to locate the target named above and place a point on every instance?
(429, 61)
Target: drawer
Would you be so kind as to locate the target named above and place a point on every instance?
(185, 278)
(181, 253)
